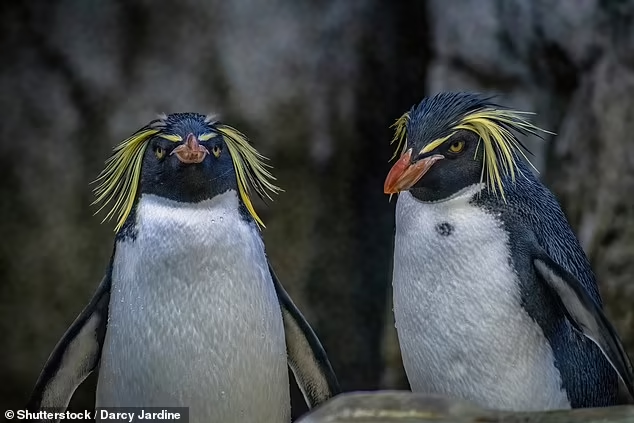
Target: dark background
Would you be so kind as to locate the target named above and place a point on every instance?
(315, 85)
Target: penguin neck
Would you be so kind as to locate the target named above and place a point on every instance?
(408, 204)
(176, 228)
(223, 203)
(154, 210)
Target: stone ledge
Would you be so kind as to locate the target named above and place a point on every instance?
(407, 407)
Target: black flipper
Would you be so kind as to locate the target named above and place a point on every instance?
(585, 315)
(306, 357)
(76, 355)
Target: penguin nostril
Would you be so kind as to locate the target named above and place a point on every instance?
(190, 152)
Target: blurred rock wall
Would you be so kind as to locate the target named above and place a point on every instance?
(315, 85)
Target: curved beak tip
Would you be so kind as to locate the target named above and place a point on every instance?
(405, 174)
(391, 185)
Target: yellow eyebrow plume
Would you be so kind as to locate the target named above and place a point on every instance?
(499, 143)
(119, 181)
(494, 128)
(251, 170)
(171, 137)
(207, 136)
(435, 144)
(400, 135)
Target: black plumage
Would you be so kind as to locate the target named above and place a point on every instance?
(532, 210)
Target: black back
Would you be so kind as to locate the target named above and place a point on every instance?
(587, 376)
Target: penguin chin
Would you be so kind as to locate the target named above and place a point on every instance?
(423, 195)
(190, 184)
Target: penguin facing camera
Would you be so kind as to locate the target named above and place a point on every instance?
(189, 312)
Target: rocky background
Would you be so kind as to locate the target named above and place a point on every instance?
(316, 85)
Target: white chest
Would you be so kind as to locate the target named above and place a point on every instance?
(194, 320)
(461, 327)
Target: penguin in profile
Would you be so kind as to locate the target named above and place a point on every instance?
(495, 301)
(189, 312)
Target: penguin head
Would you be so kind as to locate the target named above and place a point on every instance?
(454, 140)
(186, 157)
(188, 161)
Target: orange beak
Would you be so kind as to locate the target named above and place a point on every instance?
(191, 151)
(405, 174)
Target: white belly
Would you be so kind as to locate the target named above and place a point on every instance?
(461, 328)
(194, 320)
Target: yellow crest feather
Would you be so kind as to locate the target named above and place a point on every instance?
(250, 168)
(400, 134)
(119, 181)
(493, 126)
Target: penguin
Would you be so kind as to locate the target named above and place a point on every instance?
(189, 313)
(494, 300)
